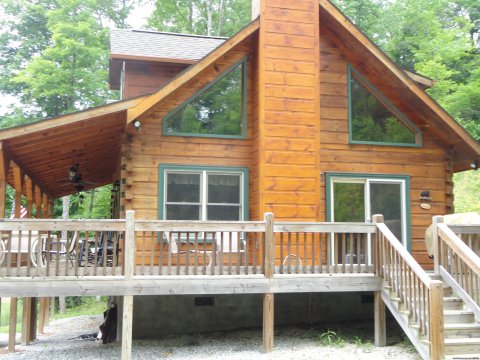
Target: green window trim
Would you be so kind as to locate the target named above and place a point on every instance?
(363, 176)
(383, 100)
(243, 135)
(164, 168)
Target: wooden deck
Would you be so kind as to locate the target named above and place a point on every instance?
(130, 257)
(80, 257)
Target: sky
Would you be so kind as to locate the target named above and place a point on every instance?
(136, 20)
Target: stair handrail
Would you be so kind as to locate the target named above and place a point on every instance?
(422, 296)
(459, 266)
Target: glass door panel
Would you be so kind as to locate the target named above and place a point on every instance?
(386, 199)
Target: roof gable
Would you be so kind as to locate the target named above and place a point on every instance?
(192, 71)
(464, 147)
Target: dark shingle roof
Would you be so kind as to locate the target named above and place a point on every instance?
(161, 44)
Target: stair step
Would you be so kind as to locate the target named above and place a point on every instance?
(462, 346)
(458, 316)
(455, 331)
(452, 303)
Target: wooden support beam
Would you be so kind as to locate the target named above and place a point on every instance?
(4, 167)
(26, 321)
(12, 325)
(268, 322)
(127, 317)
(380, 319)
(41, 320)
(436, 255)
(29, 190)
(437, 336)
(127, 320)
(268, 305)
(38, 202)
(33, 319)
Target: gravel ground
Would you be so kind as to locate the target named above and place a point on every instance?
(61, 341)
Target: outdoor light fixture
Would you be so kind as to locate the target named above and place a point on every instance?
(80, 199)
(72, 172)
(425, 200)
(474, 165)
(137, 125)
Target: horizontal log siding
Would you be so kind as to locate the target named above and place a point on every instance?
(289, 132)
(426, 165)
(142, 77)
(144, 151)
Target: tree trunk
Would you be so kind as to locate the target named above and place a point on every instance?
(221, 16)
(90, 209)
(190, 16)
(209, 17)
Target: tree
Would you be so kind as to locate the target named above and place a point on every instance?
(201, 17)
(54, 58)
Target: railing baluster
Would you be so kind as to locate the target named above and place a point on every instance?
(281, 253)
(313, 252)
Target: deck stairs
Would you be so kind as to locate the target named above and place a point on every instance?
(461, 328)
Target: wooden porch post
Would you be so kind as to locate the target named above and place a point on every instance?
(29, 326)
(18, 178)
(127, 317)
(380, 318)
(268, 298)
(437, 337)
(4, 167)
(38, 196)
(436, 253)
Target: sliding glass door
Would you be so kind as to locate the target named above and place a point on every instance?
(356, 198)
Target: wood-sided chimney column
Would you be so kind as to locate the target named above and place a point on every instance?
(289, 108)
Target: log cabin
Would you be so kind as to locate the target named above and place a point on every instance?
(251, 169)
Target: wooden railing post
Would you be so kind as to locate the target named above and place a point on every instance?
(437, 339)
(435, 243)
(377, 260)
(269, 246)
(380, 318)
(127, 317)
(268, 298)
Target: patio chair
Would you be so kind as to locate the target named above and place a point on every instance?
(228, 243)
(55, 248)
(172, 241)
(19, 245)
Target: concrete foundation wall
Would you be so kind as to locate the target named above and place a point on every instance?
(161, 315)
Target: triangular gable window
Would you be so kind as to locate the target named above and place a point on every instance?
(218, 110)
(373, 119)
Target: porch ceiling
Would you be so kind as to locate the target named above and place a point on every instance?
(46, 150)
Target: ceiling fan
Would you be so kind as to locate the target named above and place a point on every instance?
(75, 178)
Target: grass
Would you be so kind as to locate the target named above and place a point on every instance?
(5, 316)
(89, 306)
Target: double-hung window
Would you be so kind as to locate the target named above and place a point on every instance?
(194, 193)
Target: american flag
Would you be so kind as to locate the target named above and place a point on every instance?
(23, 212)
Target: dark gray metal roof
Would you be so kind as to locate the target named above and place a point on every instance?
(161, 44)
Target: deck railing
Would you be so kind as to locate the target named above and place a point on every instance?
(312, 248)
(55, 248)
(458, 263)
(469, 234)
(422, 296)
(199, 247)
(92, 248)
